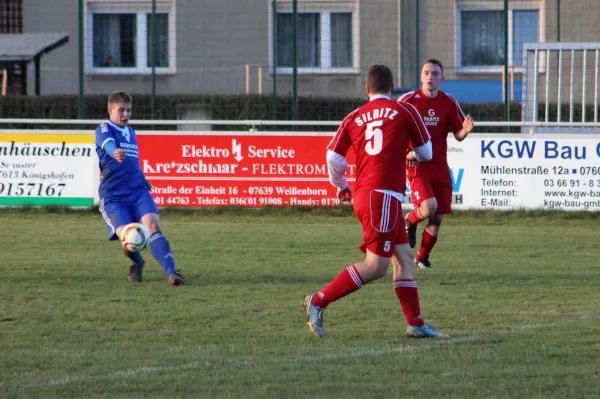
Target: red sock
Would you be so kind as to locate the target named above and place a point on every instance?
(346, 282)
(427, 243)
(407, 293)
(415, 216)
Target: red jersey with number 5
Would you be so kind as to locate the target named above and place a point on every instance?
(379, 132)
(441, 115)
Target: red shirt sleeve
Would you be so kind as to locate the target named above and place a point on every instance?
(456, 115)
(341, 142)
(417, 131)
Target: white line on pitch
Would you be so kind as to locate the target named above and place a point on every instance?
(433, 344)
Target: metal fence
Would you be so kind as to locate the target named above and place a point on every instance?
(283, 50)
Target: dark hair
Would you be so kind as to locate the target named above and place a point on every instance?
(434, 62)
(119, 97)
(380, 79)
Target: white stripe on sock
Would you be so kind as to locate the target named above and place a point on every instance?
(154, 237)
(355, 276)
(399, 283)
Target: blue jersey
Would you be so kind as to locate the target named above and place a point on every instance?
(118, 178)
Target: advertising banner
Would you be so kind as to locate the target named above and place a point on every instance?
(47, 169)
(208, 169)
(503, 172)
(241, 169)
(507, 172)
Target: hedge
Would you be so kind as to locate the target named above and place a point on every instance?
(227, 107)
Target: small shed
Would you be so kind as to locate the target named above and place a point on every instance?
(20, 49)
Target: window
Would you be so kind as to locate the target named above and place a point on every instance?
(341, 39)
(114, 40)
(308, 27)
(161, 44)
(325, 42)
(11, 16)
(525, 30)
(481, 37)
(122, 42)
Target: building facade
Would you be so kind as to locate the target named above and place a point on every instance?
(232, 46)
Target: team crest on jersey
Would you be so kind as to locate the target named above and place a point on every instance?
(431, 120)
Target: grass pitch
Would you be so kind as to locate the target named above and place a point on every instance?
(518, 293)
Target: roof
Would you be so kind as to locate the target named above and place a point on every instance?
(24, 47)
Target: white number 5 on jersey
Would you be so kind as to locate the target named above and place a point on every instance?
(376, 135)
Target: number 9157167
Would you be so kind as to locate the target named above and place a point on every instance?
(32, 189)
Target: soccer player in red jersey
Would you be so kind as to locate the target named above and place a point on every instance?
(430, 183)
(379, 132)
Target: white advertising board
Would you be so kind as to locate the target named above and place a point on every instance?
(507, 172)
(57, 169)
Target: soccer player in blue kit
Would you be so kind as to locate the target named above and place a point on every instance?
(124, 190)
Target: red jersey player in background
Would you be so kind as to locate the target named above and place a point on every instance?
(430, 183)
(379, 132)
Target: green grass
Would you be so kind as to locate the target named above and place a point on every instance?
(519, 294)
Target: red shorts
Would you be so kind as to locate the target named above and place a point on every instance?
(431, 181)
(382, 222)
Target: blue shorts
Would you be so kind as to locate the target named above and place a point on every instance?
(123, 210)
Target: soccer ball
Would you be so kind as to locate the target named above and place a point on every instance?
(134, 237)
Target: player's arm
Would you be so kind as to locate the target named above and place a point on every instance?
(144, 179)
(467, 127)
(419, 135)
(423, 153)
(147, 184)
(460, 124)
(106, 141)
(111, 149)
(337, 164)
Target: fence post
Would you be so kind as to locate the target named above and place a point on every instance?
(153, 42)
(274, 33)
(294, 60)
(558, 20)
(81, 99)
(506, 87)
(417, 47)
